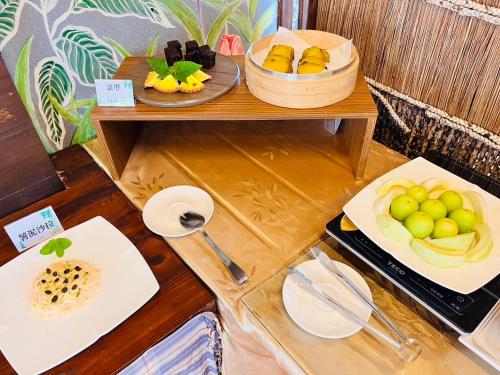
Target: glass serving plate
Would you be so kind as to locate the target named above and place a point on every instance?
(361, 353)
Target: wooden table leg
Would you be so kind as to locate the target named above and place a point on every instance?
(117, 139)
(357, 135)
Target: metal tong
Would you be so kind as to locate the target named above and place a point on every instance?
(409, 348)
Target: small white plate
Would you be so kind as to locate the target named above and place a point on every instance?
(32, 344)
(464, 279)
(314, 315)
(161, 212)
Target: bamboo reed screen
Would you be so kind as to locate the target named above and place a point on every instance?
(425, 51)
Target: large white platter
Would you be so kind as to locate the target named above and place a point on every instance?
(466, 278)
(32, 344)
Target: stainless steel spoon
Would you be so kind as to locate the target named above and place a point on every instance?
(193, 220)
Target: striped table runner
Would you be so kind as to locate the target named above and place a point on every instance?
(193, 349)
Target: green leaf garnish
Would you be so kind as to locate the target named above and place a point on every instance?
(57, 245)
(183, 69)
(59, 252)
(160, 66)
(180, 70)
(47, 250)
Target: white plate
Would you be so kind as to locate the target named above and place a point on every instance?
(314, 315)
(161, 212)
(466, 278)
(32, 344)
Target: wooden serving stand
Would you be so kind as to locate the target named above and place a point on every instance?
(118, 128)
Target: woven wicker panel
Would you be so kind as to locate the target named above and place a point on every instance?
(429, 134)
(491, 3)
(426, 51)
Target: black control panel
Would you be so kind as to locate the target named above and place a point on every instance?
(461, 311)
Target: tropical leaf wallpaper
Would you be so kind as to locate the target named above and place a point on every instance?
(55, 49)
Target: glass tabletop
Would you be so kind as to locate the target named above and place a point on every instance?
(361, 352)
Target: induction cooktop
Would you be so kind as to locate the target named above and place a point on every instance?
(439, 305)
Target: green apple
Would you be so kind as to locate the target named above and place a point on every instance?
(418, 192)
(393, 182)
(478, 204)
(420, 224)
(435, 194)
(393, 229)
(452, 200)
(435, 208)
(465, 219)
(436, 256)
(444, 228)
(483, 246)
(382, 205)
(402, 206)
(461, 242)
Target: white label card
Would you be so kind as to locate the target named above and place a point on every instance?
(34, 228)
(115, 92)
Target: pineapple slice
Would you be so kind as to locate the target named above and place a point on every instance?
(201, 75)
(151, 79)
(167, 85)
(193, 85)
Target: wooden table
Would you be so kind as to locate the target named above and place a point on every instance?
(118, 128)
(89, 192)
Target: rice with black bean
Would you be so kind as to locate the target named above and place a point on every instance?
(64, 287)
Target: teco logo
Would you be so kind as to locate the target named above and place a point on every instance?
(396, 268)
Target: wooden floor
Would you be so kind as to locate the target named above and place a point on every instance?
(89, 193)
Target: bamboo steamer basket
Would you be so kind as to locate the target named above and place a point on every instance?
(302, 90)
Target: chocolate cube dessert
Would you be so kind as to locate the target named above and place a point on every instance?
(208, 59)
(174, 43)
(191, 45)
(204, 49)
(193, 56)
(172, 55)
